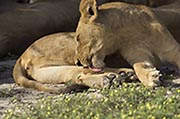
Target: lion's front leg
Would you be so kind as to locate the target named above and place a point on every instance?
(143, 62)
(147, 74)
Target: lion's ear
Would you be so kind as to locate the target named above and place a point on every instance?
(88, 8)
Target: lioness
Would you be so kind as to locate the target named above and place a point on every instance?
(52, 60)
(131, 31)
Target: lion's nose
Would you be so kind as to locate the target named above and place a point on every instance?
(85, 63)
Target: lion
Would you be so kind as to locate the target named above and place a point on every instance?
(51, 60)
(18, 29)
(130, 31)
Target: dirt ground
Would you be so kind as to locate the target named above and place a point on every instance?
(11, 94)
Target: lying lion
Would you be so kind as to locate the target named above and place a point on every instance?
(52, 59)
(130, 31)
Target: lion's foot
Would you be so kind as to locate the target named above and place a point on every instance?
(147, 74)
(153, 78)
(109, 79)
(126, 74)
(117, 80)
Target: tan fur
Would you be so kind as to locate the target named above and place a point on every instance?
(132, 31)
(51, 60)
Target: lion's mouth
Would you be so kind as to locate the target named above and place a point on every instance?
(91, 67)
(96, 69)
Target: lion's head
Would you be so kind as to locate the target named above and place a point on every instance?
(91, 35)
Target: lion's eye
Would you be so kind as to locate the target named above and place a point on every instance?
(77, 38)
(91, 12)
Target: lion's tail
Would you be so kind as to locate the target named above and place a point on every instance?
(20, 77)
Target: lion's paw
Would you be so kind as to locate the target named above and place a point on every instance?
(150, 77)
(108, 79)
(147, 74)
(154, 78)
(115, 80)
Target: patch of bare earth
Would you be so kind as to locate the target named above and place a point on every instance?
(11, 95)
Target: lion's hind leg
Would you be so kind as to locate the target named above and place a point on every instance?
(56, 74)
(21, 78)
